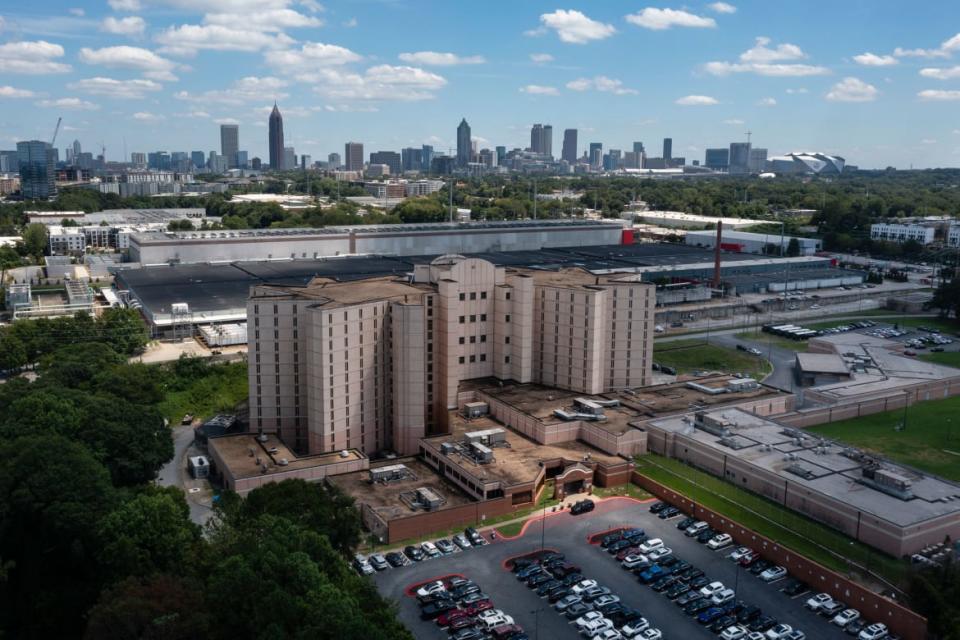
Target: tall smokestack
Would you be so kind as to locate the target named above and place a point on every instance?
(716, 255)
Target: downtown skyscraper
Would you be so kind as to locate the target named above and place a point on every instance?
(276, 139)
(464, 148)
(569, 151)
(230, 142)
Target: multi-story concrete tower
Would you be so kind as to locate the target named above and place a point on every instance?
(668, 151)
(569, 152)
(230, 140)
(546, 140)
(353, 156)
(37, 170)
(464, 148)
(276, 139)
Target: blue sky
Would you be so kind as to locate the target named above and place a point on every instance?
(877, 81)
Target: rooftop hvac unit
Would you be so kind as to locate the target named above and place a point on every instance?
(482, 453)
(487, 436)
(388, 473)
(429, 498)
(446, 448)
(475, 409)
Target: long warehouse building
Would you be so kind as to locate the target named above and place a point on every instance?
(169, 247)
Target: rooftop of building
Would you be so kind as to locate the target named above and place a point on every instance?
(829, 363)
(330, 293)
(731, 234)
(520, 459)
(822, 466)
(246, 455)
(385, 497)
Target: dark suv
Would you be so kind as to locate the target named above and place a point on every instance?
(583, 506)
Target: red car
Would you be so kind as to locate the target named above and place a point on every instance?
(749, 559)
(461, 623)
(447, 618)
(477, 607)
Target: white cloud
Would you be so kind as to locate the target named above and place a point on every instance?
(438, 59)
(382, 82)
(6, 91)
(227, 121)
(696, 101)
(797, 91)
(768, 61)
(187, 39)
(146, 116)
(722, 7)
(125, 89)
(938, 73)
(73, 104)
(32, 57)
(733, 121)
(129, 26)
(760, 52)
(288, 111)
(77, 11)
(873, 60)
(269, 20)
(350, 108)
(945, 50)
(939, 95)
(852, 90)
(351, 23)
(541, 58)
(248, 89)
(660, 19)
(600, 83)
(928, 141)
(196, 114)
(767, 102)
(125, 5)
(574, 27)
(123, 57)
(540, 90)
(311, 56)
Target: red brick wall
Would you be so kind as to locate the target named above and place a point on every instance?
(464, 515)
(874, 607)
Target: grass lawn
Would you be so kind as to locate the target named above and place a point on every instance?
(777, 341)
(811, 539)
(221, 388)
(930, 442)
(630, 490)
(947, 326)
(948, 358)
(694, 354)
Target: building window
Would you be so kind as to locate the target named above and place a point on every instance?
(506, 340)
(473, 358)
(462, 340)
(461, 360)
(473, 318)
(483, 338)
(462, 319)
(483, 357)
(462, 296)
(506, 359)
(506, 318)
(473, 295)
(483, 295)
(508, 294)
(473, 339)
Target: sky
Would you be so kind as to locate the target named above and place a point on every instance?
(875, 81)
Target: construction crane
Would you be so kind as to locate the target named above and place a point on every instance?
(56, 130)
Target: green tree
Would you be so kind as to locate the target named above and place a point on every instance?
(35, 238)
(148, 534)
(793, 248)
(935, 593)
(124, 329)
(161, 607)
(946, 298)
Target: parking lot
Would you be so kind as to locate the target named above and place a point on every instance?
(569, 535)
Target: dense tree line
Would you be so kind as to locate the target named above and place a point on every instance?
(91, 547)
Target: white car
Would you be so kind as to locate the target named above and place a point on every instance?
(634, 560)
(652, 634)
(845, 617)
(723, 597)
(608, 634)
(659, 552)
(709, 590)
(695, 529)
(719, 541)
(779, 632)
(461, 541)
(595, 627)
(773, 573)
(819, 601)
(650, 545)
(431, 588)
(635, 628)
(587, 618)
(430, 549)
(739, 552)
(582, 586)
(736, 632)
(754, 635)
(492, 622)
(876, 631)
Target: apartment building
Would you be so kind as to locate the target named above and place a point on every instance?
(377, 364)
(922, 233)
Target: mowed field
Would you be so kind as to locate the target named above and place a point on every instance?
(930, 441)
(694, 355)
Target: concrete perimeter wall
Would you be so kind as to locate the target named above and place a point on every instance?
(874, 607)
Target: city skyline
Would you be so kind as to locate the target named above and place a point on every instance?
(158, 75)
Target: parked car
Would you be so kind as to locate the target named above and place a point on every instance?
(779, 632)
(845, 617)
(461, 541)
(414, 553)
(830, 610)
(723, 597)
(709, 590)
(431, 588)
(446, 547)
(378, 562)
(735, 632)
(749, 558)
(795, 587)
(576, 610)
(696, 528)
(659, 553)
(430, 549)
(875, 631)
(635, 628)
(634, 560)
(686, 523)
(396, 559)
(815, 603)
(567, 601)
(773, 573)
(855, 627)
(650, 545)
(719, 541)
(474, 537)
(669, 512)
(739, 553)
(658, 506)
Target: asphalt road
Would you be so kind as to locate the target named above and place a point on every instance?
(569, 535)
(174, 473)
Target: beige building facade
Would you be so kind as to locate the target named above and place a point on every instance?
(376, 364)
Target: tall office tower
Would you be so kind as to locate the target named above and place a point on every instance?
(426, 158)
(596, 154)
(638, 147)
(230, 142)
(501, 155)
(758, 160)
(180, 161)
(256, 164)
(411, 158)
(289, 158)
(667, 150)
(305, 162)
(569, 151)
(139, 159)
(464, 147)
(240, 161)
(333, 161)
(276, 139)
(353, 156)
(73, 151)
(546, 140)
(198, 159)
(9, 161)
(536, 138)
(717, 159)
(35, 159)
(390, 158)
(739, 157)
